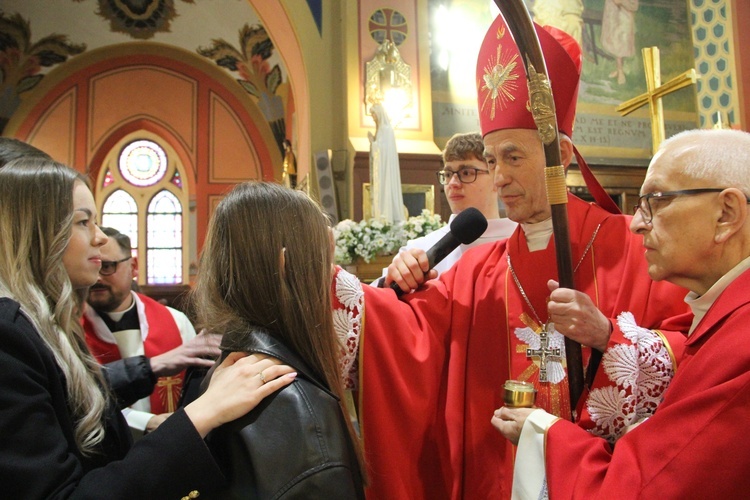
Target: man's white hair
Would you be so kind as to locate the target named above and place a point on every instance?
(721, 156)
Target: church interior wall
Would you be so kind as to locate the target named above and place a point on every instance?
(75, 109)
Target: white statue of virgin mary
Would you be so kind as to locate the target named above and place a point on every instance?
(385, 175)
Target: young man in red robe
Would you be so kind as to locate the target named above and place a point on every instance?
(432, 365)
(695, 222)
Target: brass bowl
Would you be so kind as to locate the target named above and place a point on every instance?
(519, 394)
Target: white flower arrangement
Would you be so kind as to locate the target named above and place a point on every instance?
(369, 238)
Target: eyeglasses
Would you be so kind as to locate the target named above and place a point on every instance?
(644, 202)
(466, 175)
(109, 267)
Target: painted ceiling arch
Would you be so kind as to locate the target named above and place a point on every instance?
(104, 90)
(84, 25)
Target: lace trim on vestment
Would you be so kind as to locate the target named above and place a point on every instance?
(641, 372)
(347, 323)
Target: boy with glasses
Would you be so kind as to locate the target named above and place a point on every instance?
(468, 183)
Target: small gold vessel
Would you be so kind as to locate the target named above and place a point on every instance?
(519, 394)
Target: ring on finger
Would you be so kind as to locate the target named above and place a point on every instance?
(262, 377)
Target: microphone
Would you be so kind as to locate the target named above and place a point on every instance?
(468, 225)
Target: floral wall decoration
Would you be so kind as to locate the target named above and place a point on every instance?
(21, 61)
(140, 19)
(256, 75)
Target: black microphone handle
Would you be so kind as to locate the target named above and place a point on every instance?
(435, 254)
(442, 249)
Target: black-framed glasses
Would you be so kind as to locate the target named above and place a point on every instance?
(109, 267)
(644, 202)
(466, 175)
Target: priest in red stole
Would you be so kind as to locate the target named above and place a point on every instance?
(432, 364)
(697, 234)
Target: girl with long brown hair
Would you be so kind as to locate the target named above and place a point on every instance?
(264, 283)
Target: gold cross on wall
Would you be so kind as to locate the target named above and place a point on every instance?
(655, 91)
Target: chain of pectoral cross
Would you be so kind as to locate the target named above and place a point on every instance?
(544, 350)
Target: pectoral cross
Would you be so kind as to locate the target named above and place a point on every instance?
(655, 91)
(543, 353)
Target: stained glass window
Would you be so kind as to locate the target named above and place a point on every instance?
(121, 212)
(164, 239)
(145, 191)
(108, 179)
(143, 163)
(176, 179)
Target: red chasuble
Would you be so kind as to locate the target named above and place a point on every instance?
(164, 335)
(696, 445)
(432, 365)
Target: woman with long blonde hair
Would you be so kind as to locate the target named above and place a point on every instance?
(264, 284)
(61, 432)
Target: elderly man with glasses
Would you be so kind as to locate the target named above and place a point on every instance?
(695, 223)
(157, 343)
(468, 183)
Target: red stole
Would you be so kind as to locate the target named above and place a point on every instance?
(163, 336)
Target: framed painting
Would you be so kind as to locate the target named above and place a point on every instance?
(417, 197)
(612, 34)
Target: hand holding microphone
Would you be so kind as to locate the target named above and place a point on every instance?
(408, 271)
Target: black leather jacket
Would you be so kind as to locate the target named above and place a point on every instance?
(294, 444)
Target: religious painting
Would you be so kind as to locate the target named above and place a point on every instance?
(612, 35)
(417, 197)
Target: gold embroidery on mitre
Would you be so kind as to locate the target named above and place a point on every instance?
(500, 77)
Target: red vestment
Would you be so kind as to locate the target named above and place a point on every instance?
(432, 365)
(695, 445)
(164, 335)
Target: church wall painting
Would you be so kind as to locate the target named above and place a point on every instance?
(263, 81)
(25, 58)
(140, 19)
(22, 60)
(602, 135)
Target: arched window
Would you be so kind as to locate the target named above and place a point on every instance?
(144, 198)
(164, 239)
(121, 212)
